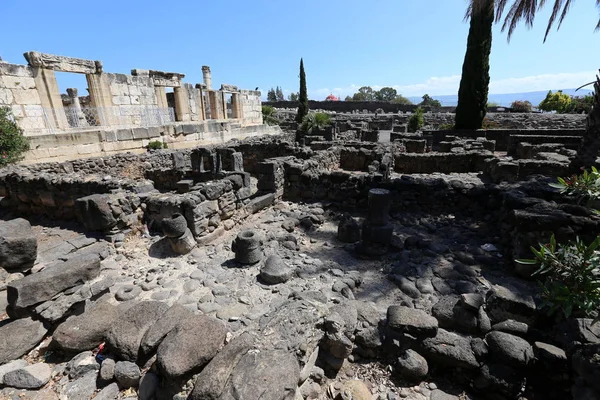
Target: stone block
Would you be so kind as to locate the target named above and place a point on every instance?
(153, 132)
(124, 134)
(188, 129)
(26, 96)
(95, 213)
(52, 280)
(140, 133)
(18, 245)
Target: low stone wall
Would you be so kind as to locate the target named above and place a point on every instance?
(500, 136)
(71, 146)
(411, 163)
(569, 142)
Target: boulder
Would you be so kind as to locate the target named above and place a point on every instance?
(190, 346)
(18, 245)
(19, 336)
(107, 370)
(11, 366)
(412, 366)
(211, 382)
(175, 226)
(184, 243)
(52, 280)
(507, 302)
(411, 321)
(128, 330)
(450, 349)
(81, 388)
(355, 390)
(499, 378)
(88, 330)
(95, 213)
(127, 374)
(267, 374)
(275, 270)
(158, 331)
(82, 364)
(148, 386)
(452, 316)
(510, 349)
(31, 377)
(109, 392)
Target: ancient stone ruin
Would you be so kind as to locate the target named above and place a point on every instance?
(345, 267)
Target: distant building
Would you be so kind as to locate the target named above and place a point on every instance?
(331, 97)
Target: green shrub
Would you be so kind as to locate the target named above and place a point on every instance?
(446, 127)
(521, 106)
(570, 276)
(581, 104)
(157, 145)
(315, 122)
(12, 142)
(416, 120)
(487, 124)
(268, 114)
(584, 187)
(558, 101)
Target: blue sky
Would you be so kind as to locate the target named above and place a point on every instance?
(416, 46)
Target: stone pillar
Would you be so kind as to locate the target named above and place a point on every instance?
(376, 229)
(76, 105)
(45, 82)
(182, 104)
(206, 76)
(236, 106)
(223, 97)
(216, 104)
(101, 99)
(161, 97)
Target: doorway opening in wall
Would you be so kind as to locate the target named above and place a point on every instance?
(77, 110)
(229, 105)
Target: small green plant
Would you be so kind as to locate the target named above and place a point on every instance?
(570, 276)
(416, 120)
(12, 142)
(446, 127)
(315, 122)
(487, 124)
(557, 101)
(584, 187)
(268, 114)
(157, 145)
(521, 106)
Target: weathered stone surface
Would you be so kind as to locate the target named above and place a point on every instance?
(86, 331)
(95, 213)
(184, 243)
(158, 331)
(31, 377)
(44, 285)
(128, 292)
(82, 364)
(247, 247)
(451, 315)
(18, 244)
(511, 326)
(148, 386)
(109, 392)
(586, 364)
(412, 321)
(267, 374)
(450, 349)
(355, 390)
(127, 374)
(348, 229)
(190, 346)
(107, 370)
(550, 354)
(511, 303)
(499, 378)
(437, 394)
(82, 388)
(275, 270)
(128, 330)
(510, 349)
(412, 366)
(11, 366)
(211, 382)
(18, 337)
(175, 226)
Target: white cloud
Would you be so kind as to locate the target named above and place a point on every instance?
(448, 85)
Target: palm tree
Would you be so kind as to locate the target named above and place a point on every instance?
(525, 10)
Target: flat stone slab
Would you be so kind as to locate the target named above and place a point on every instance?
(412, 321)
(49, 282)
(450, 349)
(18, 337)
(157, 332)
(18, 244)
(11, 366)
(190, 346)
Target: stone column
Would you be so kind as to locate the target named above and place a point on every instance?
(161, 97)
(223, 97)
(45, 81)
(101, 99)
(206, 76)
(182, 104)
(216, 104)
(236, 106)
(376, 229)
(76, 105)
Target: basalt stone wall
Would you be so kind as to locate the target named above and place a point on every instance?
(411, 163)
(501, 136)
(499, 170)
(349, 106)
(569, 142)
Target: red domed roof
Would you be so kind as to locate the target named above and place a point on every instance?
(331, 97)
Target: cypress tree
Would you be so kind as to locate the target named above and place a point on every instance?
(475, 79)
(303, 96)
